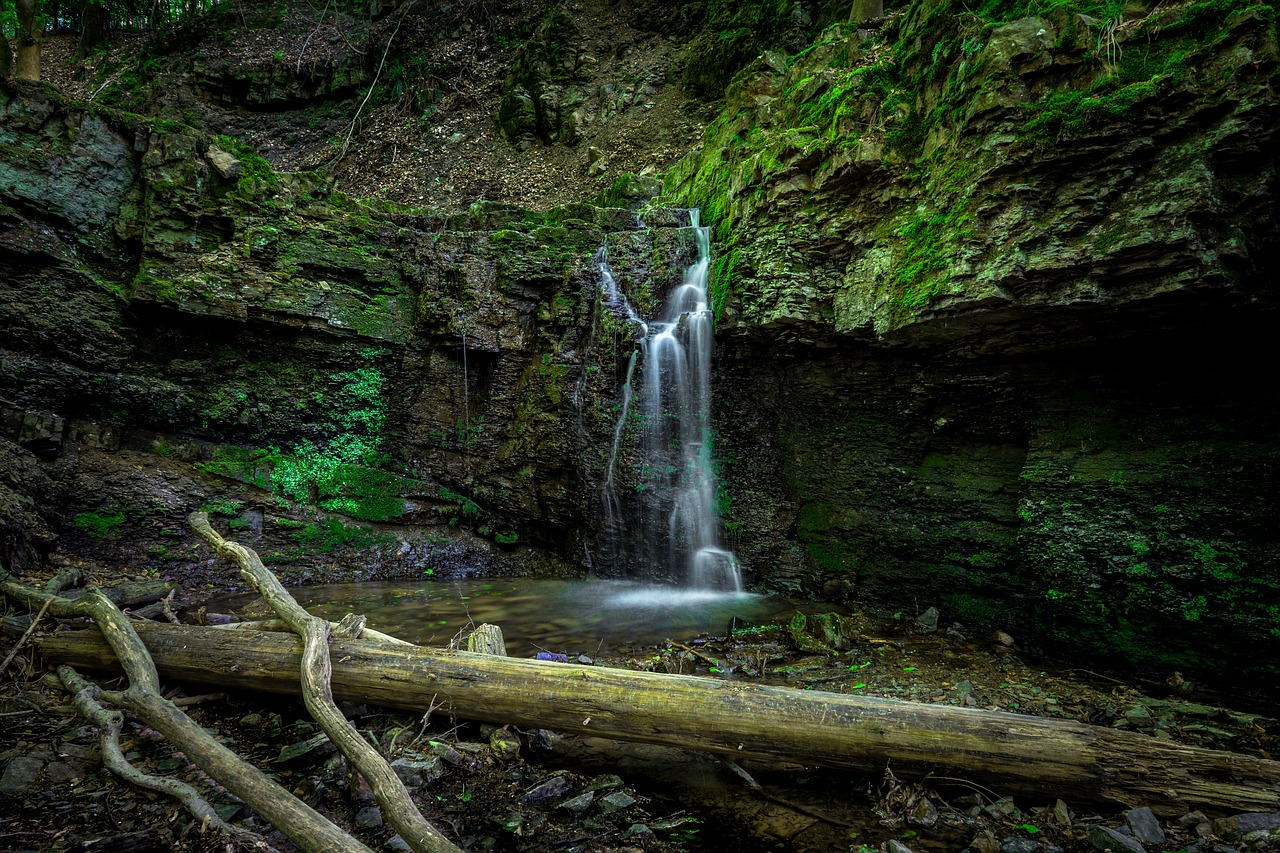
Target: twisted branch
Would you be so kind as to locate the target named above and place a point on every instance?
(317, 693)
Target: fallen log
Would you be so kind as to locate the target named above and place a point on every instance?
(1016, 753)
(132, 594)
(122, 595)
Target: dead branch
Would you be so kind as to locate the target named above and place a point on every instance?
(304, 826)
(346, 143)
(279, 625)
(86, 696)
(303, 51)
(17, 647)
(317, 693)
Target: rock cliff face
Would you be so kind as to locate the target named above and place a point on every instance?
(990, 298)
(173, 295)
(986, 293)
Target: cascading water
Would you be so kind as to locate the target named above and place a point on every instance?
(675, 480)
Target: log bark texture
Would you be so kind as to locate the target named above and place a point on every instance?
(27, 66)
(1013, 752)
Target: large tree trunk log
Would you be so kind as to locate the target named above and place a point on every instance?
(1016, 753)
(130, 594)
(6, 58)
(94, 20)
(865, 12)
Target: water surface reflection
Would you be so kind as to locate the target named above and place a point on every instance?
(574, 617)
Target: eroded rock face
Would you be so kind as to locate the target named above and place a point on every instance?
(383, 363)
(974, 285)
(26, 520)
(971, 311)
(953, 189)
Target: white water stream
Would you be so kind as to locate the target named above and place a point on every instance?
(676, 474)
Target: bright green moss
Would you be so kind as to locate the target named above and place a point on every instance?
(332, 534)
(100, 524)
(735, 33)
(721, 284)
(928, 243)
(256, 175)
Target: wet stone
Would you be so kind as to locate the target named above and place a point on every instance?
(543, 739)
(369, 817)
(557, 786)
(21, 774)
(606, 781)
(1106, 838)
(416, 773)
(1140, 718)
(311, 749)
(616, 802)
(60, 772)
(985, 842)
(1002, 809)
(578, 804)
(396, 844)
(1145, 826)
(1244, 824)
(639, 831)
(1014, 844)
(228, 811)
(896, 846)
(76, 752)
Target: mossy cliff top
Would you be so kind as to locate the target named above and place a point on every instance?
(975, 273)
(978, 167)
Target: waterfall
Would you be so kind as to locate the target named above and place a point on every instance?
(466, 414)
(675, 479)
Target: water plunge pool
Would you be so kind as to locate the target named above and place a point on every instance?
(571, 617)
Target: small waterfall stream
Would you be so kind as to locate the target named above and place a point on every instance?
(675, 478)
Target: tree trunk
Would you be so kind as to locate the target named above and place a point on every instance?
(6, 58)
(28, 60)
(866, 11)
(1016, 753)
(94, 20)
(485, 640)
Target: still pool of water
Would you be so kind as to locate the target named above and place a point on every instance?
(574, 617)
